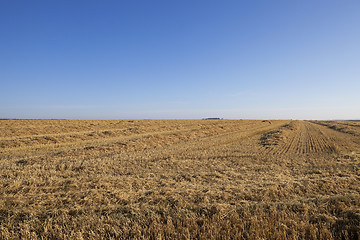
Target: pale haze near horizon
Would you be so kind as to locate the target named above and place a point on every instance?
(180, 59)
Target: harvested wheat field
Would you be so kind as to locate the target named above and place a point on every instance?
(179, 179)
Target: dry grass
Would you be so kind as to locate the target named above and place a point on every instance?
(179, 179)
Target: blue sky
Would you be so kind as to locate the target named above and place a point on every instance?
(180, 59)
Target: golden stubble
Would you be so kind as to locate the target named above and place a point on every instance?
(179, 179)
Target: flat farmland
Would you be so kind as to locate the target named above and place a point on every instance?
(179, 179)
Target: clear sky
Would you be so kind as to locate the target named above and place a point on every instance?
(91, 59)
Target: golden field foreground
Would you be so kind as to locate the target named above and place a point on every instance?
(179, 179)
